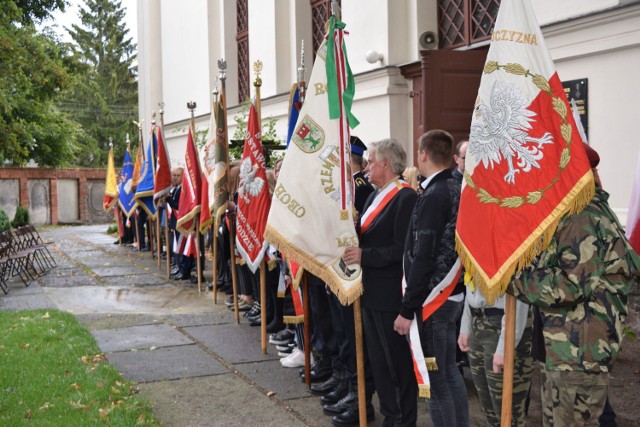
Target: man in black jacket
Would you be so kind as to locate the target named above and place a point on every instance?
(383, 227)
(429, 255)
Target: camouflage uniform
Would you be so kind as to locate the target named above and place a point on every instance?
(580, 284)
(483, 325)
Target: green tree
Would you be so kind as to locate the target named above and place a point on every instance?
(33, 71)
(104, 97)
(37, 10)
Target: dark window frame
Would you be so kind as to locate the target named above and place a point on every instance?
(465, 22)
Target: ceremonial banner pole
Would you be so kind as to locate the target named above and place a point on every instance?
(136, 215)
(222, 66)
(509, 354)
(301, 83)
(191, 105)
(166, 211)
(150, 222)
(257, 69)
(214, 272)
(157, 225)
(234, 274)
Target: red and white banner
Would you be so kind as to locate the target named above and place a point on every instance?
(254, 200)
(189, 205)
(162, 183)
(525, 163)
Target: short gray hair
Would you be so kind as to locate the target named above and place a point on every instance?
(391, 150)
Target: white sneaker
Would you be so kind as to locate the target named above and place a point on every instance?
(295, 359)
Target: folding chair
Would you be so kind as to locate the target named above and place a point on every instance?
(5, 263)
(36, 242)
(20, 259)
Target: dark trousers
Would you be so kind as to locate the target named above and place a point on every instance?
(392, 368)
(448, 404)
(342, 359)
(323, 338)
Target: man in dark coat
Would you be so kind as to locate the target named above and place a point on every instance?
(429, 256)
(383, 227)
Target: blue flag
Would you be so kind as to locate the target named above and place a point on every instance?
(125, 198)
(144, 192)
(294, 110)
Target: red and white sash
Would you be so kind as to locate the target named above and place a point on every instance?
(381, 201)
(436, 298)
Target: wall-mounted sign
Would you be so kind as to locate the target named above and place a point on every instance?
(578, 90)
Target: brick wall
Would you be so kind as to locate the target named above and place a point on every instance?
(82, 176)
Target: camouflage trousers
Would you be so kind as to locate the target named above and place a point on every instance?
(572, 398)
(483, 341)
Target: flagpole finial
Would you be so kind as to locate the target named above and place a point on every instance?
(222, 67)
(257, 69)
(161, 111)
(191, 105)
(110, 142)
(127, 140)
(215, 91)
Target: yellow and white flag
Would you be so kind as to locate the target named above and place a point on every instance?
(311, 216)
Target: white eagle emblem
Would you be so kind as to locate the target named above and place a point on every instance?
(500, 130)
(250, 184)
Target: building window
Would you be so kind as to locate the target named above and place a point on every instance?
(320, 13)
(242, 39)
(464, 22)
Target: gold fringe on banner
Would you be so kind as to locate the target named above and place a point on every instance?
(293, 319)
(493, 287)
(432, 365)
(424, 390)
(346, 297)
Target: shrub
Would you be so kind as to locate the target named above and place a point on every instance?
(4, 221)
(113, 228)
(21, 217)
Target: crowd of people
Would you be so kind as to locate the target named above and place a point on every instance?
(572, 300)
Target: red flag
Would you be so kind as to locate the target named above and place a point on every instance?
(189, 206)
(254, 199)
(205, 213)
(525, 163)
(633, 216)
(162, 183)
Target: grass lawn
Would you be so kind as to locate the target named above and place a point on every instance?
(53, 374)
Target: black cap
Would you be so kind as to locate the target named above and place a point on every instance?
(357, 146)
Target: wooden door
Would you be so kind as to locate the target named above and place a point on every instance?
(450, 81)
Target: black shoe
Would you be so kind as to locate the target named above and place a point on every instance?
(255, 322)
(117, 242)
(339, 391)
(351, 416)
(321, 389)
(275, 326)
(180, 276)
(342, 405)
(255, 311)
(210, 287)
(144, 249)
(319, 372)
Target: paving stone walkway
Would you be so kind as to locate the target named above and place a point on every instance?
(190, 359)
